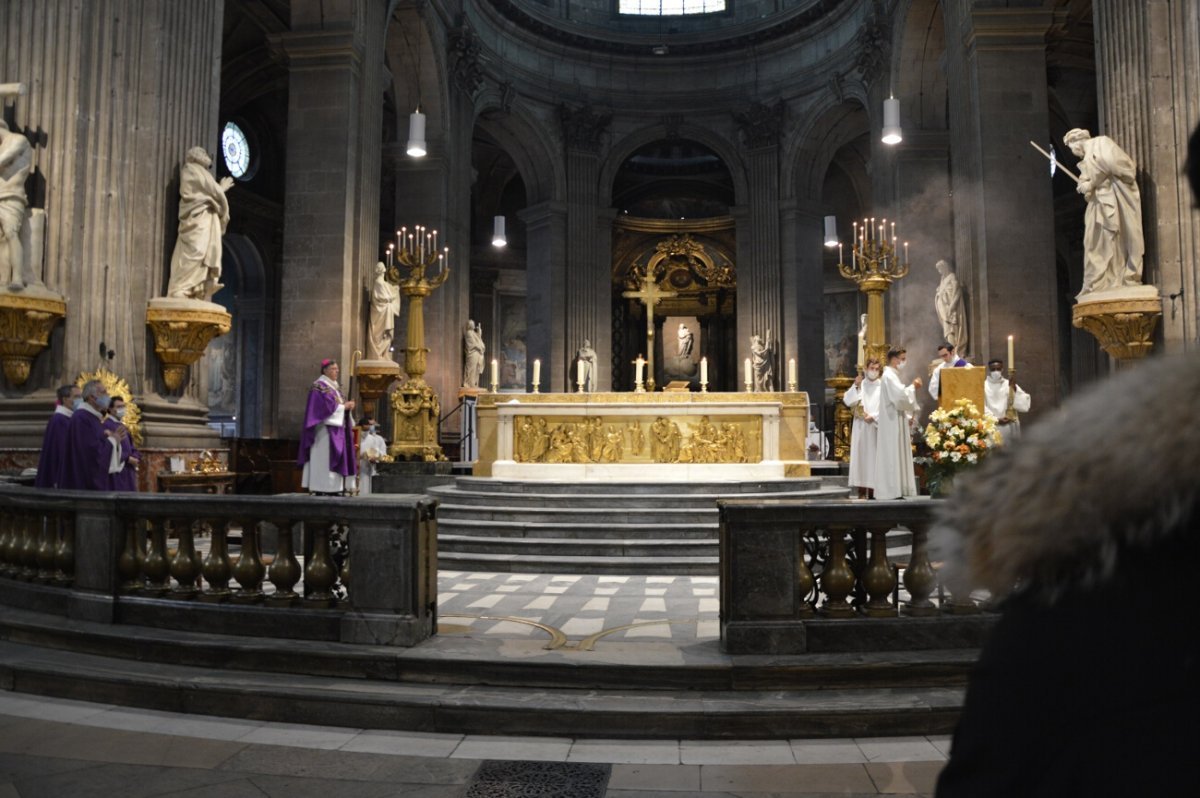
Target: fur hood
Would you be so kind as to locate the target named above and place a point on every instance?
(1116, 467)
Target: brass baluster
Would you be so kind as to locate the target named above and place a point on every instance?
(64, 553)
(155, 565)
(249, 571)
(805, 581)
(285, 570)
(129, 563)
(29, 546)
(319, 572)
(47, 526)
(6, 540)
(919, 577)
(878, 578)
(217, 568)
(837, 580)
(185, 565)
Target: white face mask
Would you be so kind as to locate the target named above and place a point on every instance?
(995, 376)
(901, 364)
(872, 374)
(119, 412)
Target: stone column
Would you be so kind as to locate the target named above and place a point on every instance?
(546, 275)
(802, 231)
(1003, 205)
(117, 93)
(333, 138)
(1146, 53)
(587, 283)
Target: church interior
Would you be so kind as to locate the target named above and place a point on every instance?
(603, 278)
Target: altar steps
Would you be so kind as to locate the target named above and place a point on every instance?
(596, 528)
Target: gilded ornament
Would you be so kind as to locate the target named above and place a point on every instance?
(25, 325)
(116, 386)
(181, 335)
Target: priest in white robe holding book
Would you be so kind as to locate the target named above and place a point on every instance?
(894, 476)
(863, 400)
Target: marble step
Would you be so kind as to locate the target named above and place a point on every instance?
(533, 563)
(730, 487)
(567, 516)
(706, 530)
(581, 547)
(476, 709)
(550, 501)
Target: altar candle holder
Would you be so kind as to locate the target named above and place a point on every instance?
(495, 387)
(640, 387)
(749, 387)
(704, 386)
(792, 387)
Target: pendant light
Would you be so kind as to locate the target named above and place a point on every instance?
(498, 237)
(892, 134)
(416, 134)
(831, 239)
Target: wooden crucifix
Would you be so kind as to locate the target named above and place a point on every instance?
(649, 295)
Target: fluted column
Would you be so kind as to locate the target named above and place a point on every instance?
(804, 304)
(117, 93)
(546, 273)
(758, 282)
(1147, 52)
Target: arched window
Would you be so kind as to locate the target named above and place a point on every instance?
(666, 8)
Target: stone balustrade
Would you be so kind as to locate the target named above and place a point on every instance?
(809, 576)
(137, 559)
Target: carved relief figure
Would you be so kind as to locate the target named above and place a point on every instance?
(637, 438)
(385, 307)
(16, 158)
(950, 306)
(203, 217)
(1113, 242)
(473, 349)
(614, 446)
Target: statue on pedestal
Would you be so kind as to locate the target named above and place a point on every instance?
(586, 356)
(16, 159)
(473, 349)
(203, 217)
(1113, 242)
(761, 355)
(686, 340)
(951, 307)
(385, 307)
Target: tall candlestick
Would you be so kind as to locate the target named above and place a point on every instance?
(791, 371)
(749, 374)
(537, 374)
(495, 374)
(1012, 360)
(703, 371)
(862, 352)
(579, 373)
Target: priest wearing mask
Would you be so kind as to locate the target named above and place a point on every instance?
(949, 360)
(997, 393)
(53, 458)
(371, 449)
(95, 452)
(894, 476)
(326, 445)
(124, 480)
(863, 400)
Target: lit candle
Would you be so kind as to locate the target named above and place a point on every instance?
(579, 373)
(537, 373)
(791, 371)
(639, 367)
(749, 374)
(703, 371)
(906, 252)
(862, 351)
(1012, 360)
(495, 373)
(839, 253)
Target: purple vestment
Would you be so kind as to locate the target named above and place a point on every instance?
(323, 399)
(126, 478)
(53, 458)
(89, 453)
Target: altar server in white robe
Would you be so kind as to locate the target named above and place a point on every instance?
(894, 477)
(997, 394)
(863, 399)
(371, 448)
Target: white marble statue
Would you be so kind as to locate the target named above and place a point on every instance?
(385, 307)
(16, 159)
(1113, 242)
(760, 362)
(687, 340)
(587, 356)
(203, 217)
(951, 307)
(473, 349)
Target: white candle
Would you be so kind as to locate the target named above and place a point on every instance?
(791, 371)
(861, 351)
(703, 370)
(1012, 360)
(639, 367)
(906, 252)
(839, 253)
(749, 373)
(579, 373)
(495, 373)
(537, 373)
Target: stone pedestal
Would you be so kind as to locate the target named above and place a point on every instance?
(1123, 321)
(182, 331)
(26, 319)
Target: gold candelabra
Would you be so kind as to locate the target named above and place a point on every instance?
(875, 263)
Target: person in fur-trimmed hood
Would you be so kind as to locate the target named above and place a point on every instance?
(1085, 532)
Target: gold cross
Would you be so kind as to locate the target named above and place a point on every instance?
(649, 295)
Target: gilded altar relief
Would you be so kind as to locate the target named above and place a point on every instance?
(691, 439)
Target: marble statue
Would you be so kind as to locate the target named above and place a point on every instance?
(951, 307)
(687, 340)
(203, 217)
(385, 307)
(760, 362)
(587, 356)
(473, 350)
(16, 159)
(1113, 243)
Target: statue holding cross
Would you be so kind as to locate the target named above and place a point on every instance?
(649, 295)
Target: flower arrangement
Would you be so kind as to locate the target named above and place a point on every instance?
(958, 437)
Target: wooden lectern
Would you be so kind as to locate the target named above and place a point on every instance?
(965, 382)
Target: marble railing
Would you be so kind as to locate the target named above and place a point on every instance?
(803, 576)
(164, 560)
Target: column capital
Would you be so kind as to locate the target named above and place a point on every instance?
(318, 49)
(543, 213)
(1009, 28)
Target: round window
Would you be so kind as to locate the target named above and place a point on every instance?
(236, 150)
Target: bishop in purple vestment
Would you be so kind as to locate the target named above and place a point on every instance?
(126, 478)
(53, 457)
(326, 446)
(93, 452)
